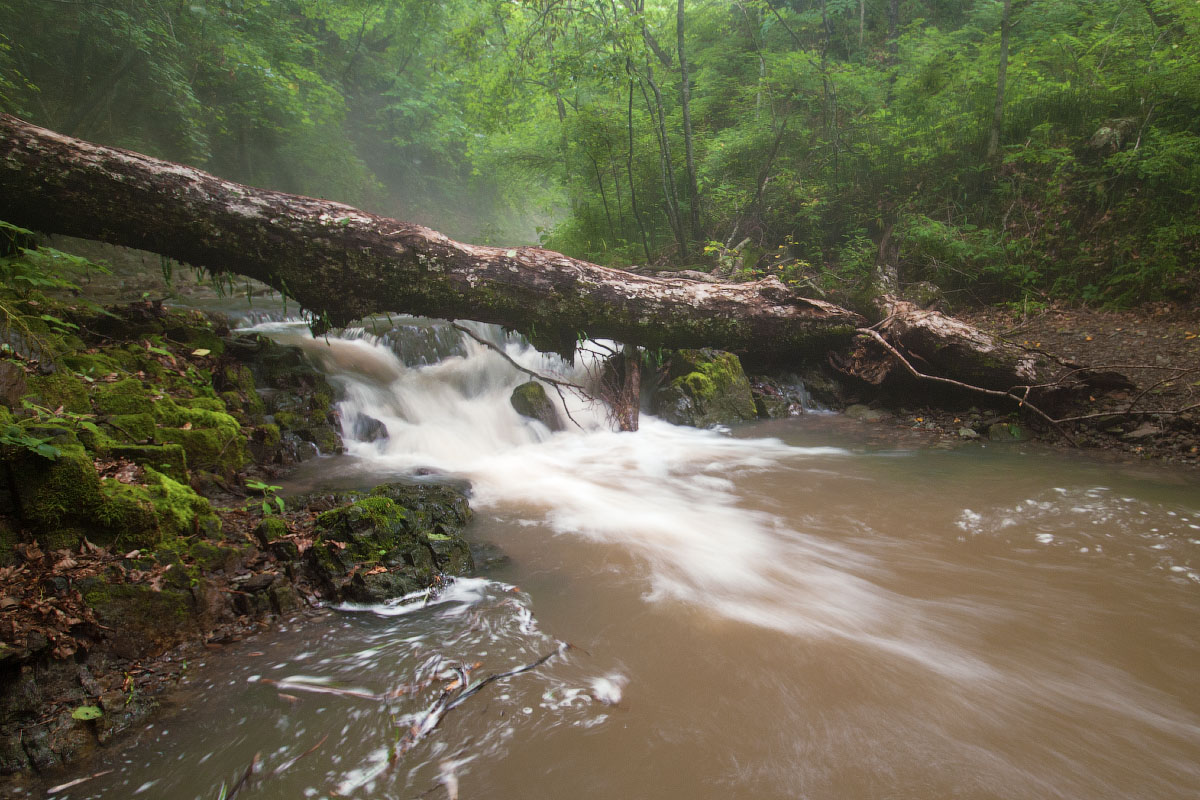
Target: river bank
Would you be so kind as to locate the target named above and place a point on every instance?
(138, 521)
(1151, 411)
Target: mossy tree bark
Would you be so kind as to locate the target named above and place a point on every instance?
(342, 263)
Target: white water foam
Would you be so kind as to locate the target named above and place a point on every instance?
(665, 494)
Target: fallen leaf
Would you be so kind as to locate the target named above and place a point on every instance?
(201, 352)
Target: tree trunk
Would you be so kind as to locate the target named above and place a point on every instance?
(685, 98)
(341, 263)
(1001, 78)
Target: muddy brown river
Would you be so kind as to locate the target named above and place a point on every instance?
(807, 608)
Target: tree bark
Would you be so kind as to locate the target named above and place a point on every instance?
(1001, 79)
(685, 98)
(341, 263)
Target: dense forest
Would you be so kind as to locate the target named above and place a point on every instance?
(1012, 150)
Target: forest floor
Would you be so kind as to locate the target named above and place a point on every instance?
(1156, 346)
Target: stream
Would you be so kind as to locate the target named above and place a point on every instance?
(809, 607)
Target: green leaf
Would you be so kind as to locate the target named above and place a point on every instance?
(87, 712)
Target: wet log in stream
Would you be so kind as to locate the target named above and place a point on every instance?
(342, 264)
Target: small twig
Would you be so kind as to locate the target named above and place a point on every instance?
(245, 779)
(308, 752)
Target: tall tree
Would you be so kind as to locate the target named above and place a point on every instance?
(685, 97)
(993, 149)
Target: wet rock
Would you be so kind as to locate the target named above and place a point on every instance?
(36, 742)
(296, 450)
(773, 399)
(143, 621)
(530, 400)
(866, 413)
(1142, 432)
(369, 429)
(703, 388)
(286, 392)
(967, 433)
(12, 384)
(1007, 432)
(13, 758)
(391, 542)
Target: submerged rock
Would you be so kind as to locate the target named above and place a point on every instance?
(530, 400)
(703, 388)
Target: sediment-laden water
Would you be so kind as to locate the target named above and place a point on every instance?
(803, 608)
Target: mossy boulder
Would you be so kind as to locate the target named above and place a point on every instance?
(391, 542)
(131, 427)
(291, 395)
(703, 388)
(530, 400)
(168, 459)
(213, 439)
(59, 390)
(55, 497)
(143, 621)
(123, 398)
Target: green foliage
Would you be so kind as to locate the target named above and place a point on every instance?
(16, 436)
(87, 713)
(272, 503)
(814, 128)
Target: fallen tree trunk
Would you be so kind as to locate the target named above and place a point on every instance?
(342, 264)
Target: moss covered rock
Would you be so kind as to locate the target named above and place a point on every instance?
(143, 621)
(702, 388)
(530, 400)
(391, 542)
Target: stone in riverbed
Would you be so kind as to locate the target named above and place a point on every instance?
(703, 388)
(530, 400)
(1007, 432)
(865, 413)
(369, 429)
(395, 540)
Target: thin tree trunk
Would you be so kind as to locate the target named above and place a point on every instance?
(633, 203)
(685, 94)
(831, 121)
(603, 195)
(998, 112)
(893, 29)
(670, 192)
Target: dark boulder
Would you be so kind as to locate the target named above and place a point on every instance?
(530, 400)
(703, 388)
